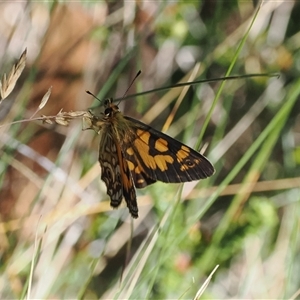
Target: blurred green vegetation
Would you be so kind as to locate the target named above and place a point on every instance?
(58, 236)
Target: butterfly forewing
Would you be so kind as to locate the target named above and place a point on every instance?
(163, 158)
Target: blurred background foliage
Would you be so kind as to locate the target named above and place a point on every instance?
(55, 215)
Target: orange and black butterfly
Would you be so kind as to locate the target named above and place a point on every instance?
(133, 154)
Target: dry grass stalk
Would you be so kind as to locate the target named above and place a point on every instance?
(45, 98)
(43, 102)
(7, 84)
(64, 118)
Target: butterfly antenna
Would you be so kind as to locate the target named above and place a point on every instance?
(199, 81)
(120, 99)
(90, 93)
(130, 85)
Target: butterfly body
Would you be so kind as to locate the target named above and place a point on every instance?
(133, 154)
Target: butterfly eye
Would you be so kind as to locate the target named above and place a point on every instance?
(108, 111)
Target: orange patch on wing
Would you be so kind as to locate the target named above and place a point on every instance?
(130, 165)
(141, 181)
(142, 148)
(129, 151)
(197, 161)
(161, 145)
(185, 148)
(183, 168)
(143, 135)
(162, 160)
(138, 169)
(182, 153)
(152, 162)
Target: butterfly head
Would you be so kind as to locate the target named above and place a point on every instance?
(101, 116)
(104, 111)
(109, 108)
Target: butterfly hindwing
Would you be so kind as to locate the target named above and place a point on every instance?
(116, 174)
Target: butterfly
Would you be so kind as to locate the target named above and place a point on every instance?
(134, 155)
